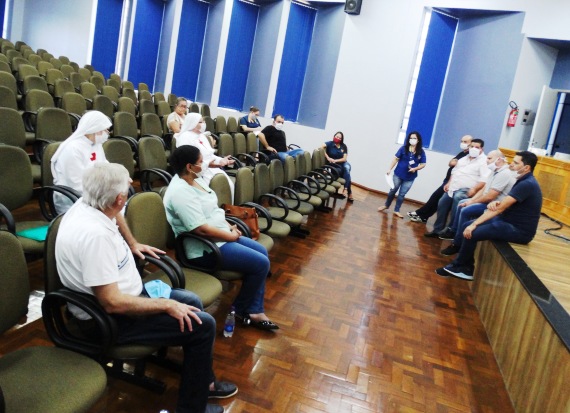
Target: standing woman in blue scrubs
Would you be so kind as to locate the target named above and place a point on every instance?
(409, 159)
(336, 153)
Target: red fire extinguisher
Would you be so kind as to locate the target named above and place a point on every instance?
(513, 114)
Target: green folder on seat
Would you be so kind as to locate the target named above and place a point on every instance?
(37, 234)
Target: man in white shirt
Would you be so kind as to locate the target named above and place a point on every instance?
(92, 257)
(467, 178)
(499, 184)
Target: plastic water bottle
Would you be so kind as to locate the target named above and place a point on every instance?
(230, 323)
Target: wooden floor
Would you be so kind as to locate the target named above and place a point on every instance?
(366, 326)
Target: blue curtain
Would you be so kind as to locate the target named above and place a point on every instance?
(238, 55)
(439, 43)
(146, 40)
(2, 12)
(294, 62)
(189, 48)
(106, 39)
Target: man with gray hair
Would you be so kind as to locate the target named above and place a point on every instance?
(92, 257)
(498, 186)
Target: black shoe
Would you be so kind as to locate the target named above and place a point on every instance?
(223, 390)
(451, 250)
(261, 325)
(459, 271)
(214, 408)
(432, 234)
(447, 234)
(441, 272)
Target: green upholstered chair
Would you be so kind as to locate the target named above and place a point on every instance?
(39, 379)
(146, 217)
(99, 341)
(221, 125)
(194, 108)
(120, 151)
(153, 164)
(104, 105)
(220, 185)
(288, 194)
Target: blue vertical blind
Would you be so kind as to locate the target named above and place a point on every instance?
(146, 41)
(438, 47)
(294, 62)
(189, 49)
(238, 55)
(106, 39)
(2, 12)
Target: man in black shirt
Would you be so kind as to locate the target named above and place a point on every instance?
(274, 140)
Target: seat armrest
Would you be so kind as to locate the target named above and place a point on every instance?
(208, 245)
(244, 229)
(147, 174)
(261, 211)
(170, 267)
(7, 215)
(45, 199)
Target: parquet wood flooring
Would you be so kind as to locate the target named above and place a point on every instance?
(366, 326)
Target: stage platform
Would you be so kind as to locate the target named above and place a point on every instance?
(522, 293)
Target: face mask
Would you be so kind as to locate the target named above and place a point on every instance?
(474, 152)
(279, 126)
(199, 174)
(202, 128)
(492, 166)
(101, 138)
(464, 146)
(336, 140)
(253, 116)
(413, 141)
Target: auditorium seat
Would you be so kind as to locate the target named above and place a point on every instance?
(89, 91)
(126, 104)
(98, 82)
(61, 87)
(104, 105)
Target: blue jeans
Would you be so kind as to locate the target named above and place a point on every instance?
(464, 214)
(345, 169)
(495, 229)
(404, 187)
(164, 330)
(446, 205)
(250, 258)
(293, 153)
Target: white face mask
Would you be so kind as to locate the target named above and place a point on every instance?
(199, 174)
(474, 152)
(492, 166)
(463, 146)
(413, 141)
(101, 137)
(203, 127)
(279, 126)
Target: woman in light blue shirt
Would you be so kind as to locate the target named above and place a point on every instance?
(192, 206)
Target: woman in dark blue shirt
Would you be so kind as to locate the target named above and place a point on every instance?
(409, 159)
(336, 153)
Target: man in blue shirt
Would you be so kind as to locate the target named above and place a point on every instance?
(514, 219)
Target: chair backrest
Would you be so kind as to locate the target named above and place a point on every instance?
(210, 126)
(172, 100)
(56, 62)
(7, 98)
(61, 87)
(220, 185)
(158, 97)
(276, 173)
(14, 294)
(119, 151)
(35, 82)
(151, 153)
(261, 180)
(244, 189)
(3, 58)
(116, 77)
(43, 67)
(232, 125)
(289, 169)
(240, 144)
(67, 70)
(76, 79)
(74, 103)
(205, 110)
(53, 124)
(111, 93)
(51, 275)
(36, 99)
(104, 104)
(19, 61)
(146, 106)
(89, 67)
(127, 84)
(225, 145)
(12, 131)
(98, 82)
(194, 107)
(26, 70)
(125, 124)
(151, 125)
(9, 81)
(47, 56)
(49, 150)
(85, 74)
(16, 178)
(126, 104)
(5, 67)
(34, 59)
(98, 74)
(145, 94)
(251, 142)
(88, 90)
(64, 60)
(163, 109)
(143, 86)
(130, 93)
(146, 218)
(114, 83)
(221, 124)
(75, 66)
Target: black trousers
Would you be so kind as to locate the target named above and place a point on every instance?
(430, 206)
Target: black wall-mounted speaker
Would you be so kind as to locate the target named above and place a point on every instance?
(352, 6)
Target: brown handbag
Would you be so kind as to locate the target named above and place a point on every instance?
(247, 215)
